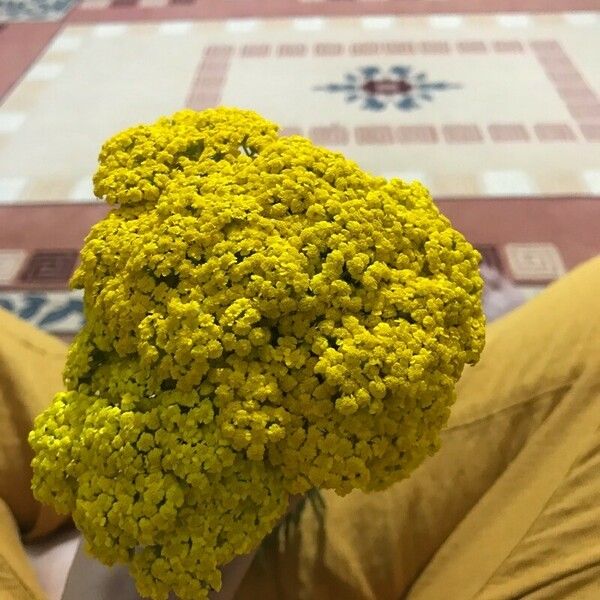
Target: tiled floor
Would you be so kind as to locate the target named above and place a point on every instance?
(34, 10)
(498, 113)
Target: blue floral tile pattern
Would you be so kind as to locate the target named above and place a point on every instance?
(400, 86)
(55, 312)
(33, 10)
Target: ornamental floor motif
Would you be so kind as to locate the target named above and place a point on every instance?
(498, 113)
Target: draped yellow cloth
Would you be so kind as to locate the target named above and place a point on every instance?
(509, 507)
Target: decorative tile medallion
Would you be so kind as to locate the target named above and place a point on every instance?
(376, 88)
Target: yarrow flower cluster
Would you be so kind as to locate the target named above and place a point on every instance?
(262, 318)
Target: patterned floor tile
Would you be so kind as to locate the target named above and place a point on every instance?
(380, 10)
(525, 243)
(55, 312)
(497, 112)
(401, 96)
(34, 10)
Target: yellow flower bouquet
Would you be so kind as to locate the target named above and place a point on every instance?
(263, 318)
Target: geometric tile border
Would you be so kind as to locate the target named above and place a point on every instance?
(151, 10)
(580, 100)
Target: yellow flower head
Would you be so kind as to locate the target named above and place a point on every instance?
(262, 318)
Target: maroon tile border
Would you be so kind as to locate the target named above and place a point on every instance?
(567, 222)
(210, 77)
(49, 267)
(20, 45)
(579, 98)
(561, 220)
(220, 9)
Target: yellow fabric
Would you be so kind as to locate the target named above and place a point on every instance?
(17, 578)
(509, 508)
(30, 371)
(31, 364)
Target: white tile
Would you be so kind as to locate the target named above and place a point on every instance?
(445, 21)
(11, 188)
(534, 261)
(11, 121)
(10, 263)
(109, 30)
(592, 180)
(382, 22)
(513, 21)
(152, 3)
(66, 42)
(95, 4)
(309, 24)
(83, 190)
(581, 18)
(241, 25)
(175, 28)
(44, 71)
(508, 183)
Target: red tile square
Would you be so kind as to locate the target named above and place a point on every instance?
(508, 46)
(292, 50)
(212, 81)
(364, 49)
(554, 132)
(202, 100)
(328, 49)
(508, 132)
(256, 50)
(462, 134)
(471, 47)
(584, 111)
(47, 266)
(335, 135)
(590, 131)
(434, 47)
(556, 63)
(546, 47)
(212, 67)
(569, 78)
(577, 94)
(218, 51)
(374, 135)
(398, 48)
(416, 134)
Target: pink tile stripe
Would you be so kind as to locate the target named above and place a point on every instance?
(554, 132)
(223, 9)
(207, 87)
(580, 99)
(508, 132)
(20, 45)
(567, 222)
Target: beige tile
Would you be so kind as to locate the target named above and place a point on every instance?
(27, 96)
(459, 184)
(560, 181)
(47, 188)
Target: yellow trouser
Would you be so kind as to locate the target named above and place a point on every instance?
(509, 507)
